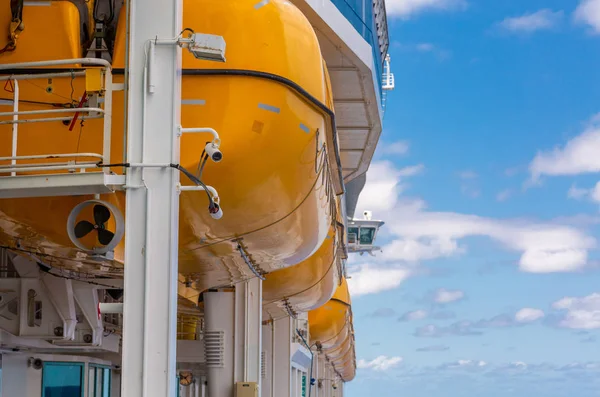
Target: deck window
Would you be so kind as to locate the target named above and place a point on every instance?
(62, 379)
(98, 381)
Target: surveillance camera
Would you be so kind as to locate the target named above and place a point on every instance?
(213, 152)
(215, 211)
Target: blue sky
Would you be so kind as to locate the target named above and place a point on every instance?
(486, 175)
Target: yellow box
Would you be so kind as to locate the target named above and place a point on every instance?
(246, 389)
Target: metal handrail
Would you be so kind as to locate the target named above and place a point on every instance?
(87, 113)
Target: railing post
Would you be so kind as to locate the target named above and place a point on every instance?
(15, 126)
(108, 92)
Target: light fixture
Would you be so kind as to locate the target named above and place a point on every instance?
(208, 47)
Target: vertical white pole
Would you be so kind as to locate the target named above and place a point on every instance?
(282, 377)
(248, 331)
(267, 346)
(219, 310)
(15, 126)
(152, 205)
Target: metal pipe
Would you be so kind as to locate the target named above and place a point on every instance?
(15, 127)
(52, 111)
(46, 119)
(50, 168)
(110, 308)
(52, 156)
(107, 122)
(149, 165)
(211, 189)
(57, 62)
(214, 133)
(151, 72)
(41, 76)
(31, 165)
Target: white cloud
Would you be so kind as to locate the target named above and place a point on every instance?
(588, 12)
(577, 193)
(582, 313)
(443, 295)
(417, 234)
(406, 8)
(503, 195)
(577, 156)
(464, 364)
(595, 193)
(422, 235)
(531, 22)
(545, 247)
(528, 315)
(425, 47)
(414, 315)
(369, 279)
(413, 250)
(384, 184)
(468, 174)
(397, 148)
(381, 363)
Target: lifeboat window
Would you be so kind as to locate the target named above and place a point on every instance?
(352, 235)
(367, 234)
(62, 379)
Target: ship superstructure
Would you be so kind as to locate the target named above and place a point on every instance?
(178, 182)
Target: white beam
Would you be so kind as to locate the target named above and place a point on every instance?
(219, 339)
(152, 204)
(14, 367)
(248, 329)
(86, 296)
(60, 293)
(266, 389)
(282, 348)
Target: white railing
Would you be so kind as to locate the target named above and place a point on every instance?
(87, 113)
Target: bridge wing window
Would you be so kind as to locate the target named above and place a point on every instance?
(367, 234)
(352, 235)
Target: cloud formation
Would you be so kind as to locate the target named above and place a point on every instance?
(407, 8)
(418, 234)
(532, 22)
(578, 156)
(383, 312)
(433, 348)
(413, 315)
(528, 315)
(370, 279)
(381, 363)
(581, 313)
(469, 328)
(398, 148)
(588, 12)
(443, 295)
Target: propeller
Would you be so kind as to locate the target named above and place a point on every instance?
(101, 216)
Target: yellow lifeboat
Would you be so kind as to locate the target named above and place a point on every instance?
(305, 286)
(270, 103)
(330, 328)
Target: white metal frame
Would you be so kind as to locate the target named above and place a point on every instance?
(62, 114)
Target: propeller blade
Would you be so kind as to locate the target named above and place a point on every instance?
(105, 236)
(101, 214)
(83, 228)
